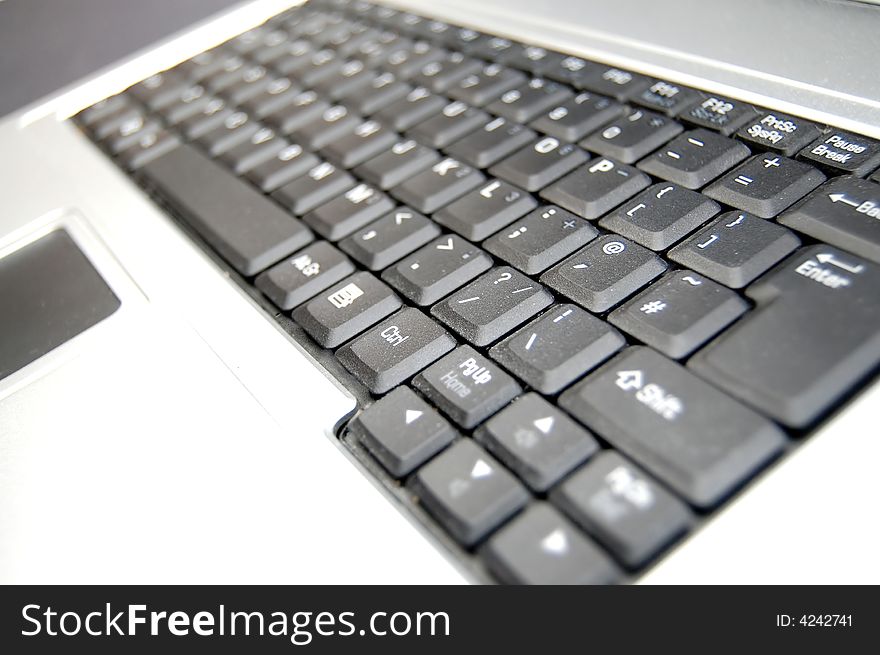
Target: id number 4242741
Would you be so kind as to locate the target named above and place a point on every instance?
(814, 620)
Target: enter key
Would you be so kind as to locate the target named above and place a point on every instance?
(814, 335)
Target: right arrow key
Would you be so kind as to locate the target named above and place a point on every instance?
(844, 212)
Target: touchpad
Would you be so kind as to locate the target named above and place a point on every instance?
(49, 293)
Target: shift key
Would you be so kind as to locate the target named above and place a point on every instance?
(699, 441)
(814, 335)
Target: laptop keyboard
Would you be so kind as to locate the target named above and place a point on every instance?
(581, 307)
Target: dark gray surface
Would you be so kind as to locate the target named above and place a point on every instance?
(49, 293)
(47, 44)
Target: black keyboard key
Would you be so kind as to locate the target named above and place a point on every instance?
(541, 239)
(633, 135)
(348, 212)
(413, 108)
(365, 141)
(352, 77)
(666, 97)
(395, 350)
(532, 59)
(288, 164)
(481, 88)
(466, 386)
(148, 147)
(259, 148)
(539, 163)
(400, 162)
(844, 212)
(529, 100)
(453, 122)
(252, 82)
(497, 139)
(604, 273)
(492, 305)
(301, 110)
(619, 84)
(393, 236)
(439, 185)
(245, 227)
(779, 132)
(318, 185)
(104, 109)
(382, 91)
(735, 248)
(159, 90)
(844, 152)
(557, 348)
(281, 52)
(346, 309)
(278, 92)
(624, 509)
(661, 215)
(320, 66)
(407, 59)
(694, 438)
(679, 313)
(537, 441)
(541, 547)
(766, 184)
(468, 492)
(485, 210)
(596, 187)
(206, 64)
(236, 129)
(577, 117)
(437, 269)
(304, 274)
(326, 128)
(402, 431)
(442, 74)
(570, 70)
(818, 327)
(721, 114)
(694, 158)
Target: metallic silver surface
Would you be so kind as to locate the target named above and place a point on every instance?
(814, 58)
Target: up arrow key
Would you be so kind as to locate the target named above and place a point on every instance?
(827, 258)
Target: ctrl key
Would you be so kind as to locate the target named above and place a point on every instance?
(542, 547)
(395, 350)
(468, 491)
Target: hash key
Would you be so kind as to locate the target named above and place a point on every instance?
(468, 491)
(679, 313)
(492, 305)
(735, 248)
(691, 436)
(596, 187)
(395, 350)
(557, 348)
(541, 239)
(445, 181)
(485, 210)
(766, 184)
(623, 508)
(661, 215)
(346, 309)
(536, 441)
(633, 136)
(437, 269)
(402, 431)
(393, 236)
(466, 386)
(540, 163)
(540, 546)
(694, 158)
(604, 273)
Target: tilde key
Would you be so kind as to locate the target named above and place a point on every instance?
(814, 334)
